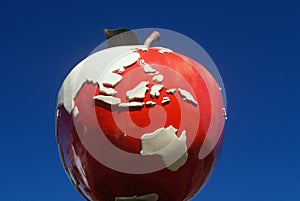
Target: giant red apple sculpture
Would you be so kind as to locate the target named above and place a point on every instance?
(136, 122)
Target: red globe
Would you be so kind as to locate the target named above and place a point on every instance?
(139, 123)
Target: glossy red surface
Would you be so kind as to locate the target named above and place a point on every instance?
(98, 182)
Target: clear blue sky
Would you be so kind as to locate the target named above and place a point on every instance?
(255, 45)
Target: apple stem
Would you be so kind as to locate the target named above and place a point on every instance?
(155, 36)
